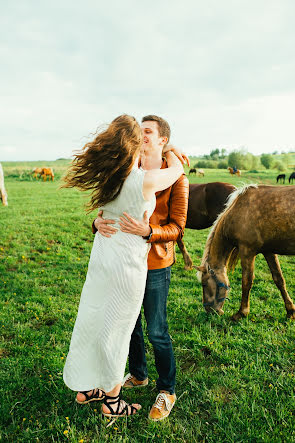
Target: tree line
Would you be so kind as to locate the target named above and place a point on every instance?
(241, 159)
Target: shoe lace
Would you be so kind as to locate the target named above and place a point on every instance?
(160, 400)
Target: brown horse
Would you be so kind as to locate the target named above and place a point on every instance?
(205, 202)
(37, 172)
(47, 172)
(256, 220)
(232, 172)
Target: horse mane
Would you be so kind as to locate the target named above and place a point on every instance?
(232, 199)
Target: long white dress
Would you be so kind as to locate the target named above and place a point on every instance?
(111, 297)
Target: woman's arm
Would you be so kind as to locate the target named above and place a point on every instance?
(159, 179)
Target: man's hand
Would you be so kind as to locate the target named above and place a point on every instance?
(132, 226)
(103, 225)
(180, 155)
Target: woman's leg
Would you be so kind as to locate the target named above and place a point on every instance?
(115, 400)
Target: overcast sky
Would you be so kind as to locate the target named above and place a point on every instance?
(222, 72)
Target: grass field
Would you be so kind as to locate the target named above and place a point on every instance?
(235, 382)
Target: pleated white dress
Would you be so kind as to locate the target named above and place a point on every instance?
(111, 297)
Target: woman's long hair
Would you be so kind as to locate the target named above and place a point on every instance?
(103, 165)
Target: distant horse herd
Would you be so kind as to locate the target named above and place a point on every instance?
(44, 173)
(247, 221)
(281, 178)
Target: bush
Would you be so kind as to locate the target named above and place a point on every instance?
(210, 164)
(266, 160)
(243, 160)
(279, 165)
(222, 164)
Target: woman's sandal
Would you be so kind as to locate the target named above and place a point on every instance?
(122, 409)
(95, 395)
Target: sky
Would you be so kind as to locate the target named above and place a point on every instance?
(222, 73)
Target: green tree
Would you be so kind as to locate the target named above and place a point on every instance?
(266, 160)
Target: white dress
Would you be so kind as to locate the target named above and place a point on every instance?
(111, 297)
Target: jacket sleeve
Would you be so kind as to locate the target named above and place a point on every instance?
(177, 214)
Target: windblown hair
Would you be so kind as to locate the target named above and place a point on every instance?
(103, 164)
(163, 125)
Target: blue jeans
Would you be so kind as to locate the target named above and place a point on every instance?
(155, 312)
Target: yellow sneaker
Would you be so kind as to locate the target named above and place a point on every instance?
(162, 406)
(131, 382)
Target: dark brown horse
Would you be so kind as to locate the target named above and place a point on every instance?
(281, 178)
(256, 220)
(205, 202)
(292, 177)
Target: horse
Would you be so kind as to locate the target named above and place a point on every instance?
(205, 202)
(281, 177)
(192, 171)
(200, 172)
(47, 172)
(292, 177)
(232, 172)
(37, 172)
(3, 193)
(257, 219)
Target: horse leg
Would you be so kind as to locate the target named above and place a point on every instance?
(187, 260)
(247, 263)
(278, 278)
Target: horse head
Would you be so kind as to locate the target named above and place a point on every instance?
(215, 285)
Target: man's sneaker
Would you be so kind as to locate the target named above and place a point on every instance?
(162, 406)
(131, 382)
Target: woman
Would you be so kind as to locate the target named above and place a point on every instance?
(113, 291)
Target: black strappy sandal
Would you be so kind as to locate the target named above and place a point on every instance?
(123, 409)
(94, 396)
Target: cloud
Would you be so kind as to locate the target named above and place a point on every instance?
(220, 72)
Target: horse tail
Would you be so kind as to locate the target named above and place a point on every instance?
(233, 259)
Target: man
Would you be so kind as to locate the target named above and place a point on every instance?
(166, 225)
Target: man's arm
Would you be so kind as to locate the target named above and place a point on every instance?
(103, 226)
(173, 230)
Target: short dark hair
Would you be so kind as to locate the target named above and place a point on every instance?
(163, 126)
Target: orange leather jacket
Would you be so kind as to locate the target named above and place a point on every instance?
(168, 222)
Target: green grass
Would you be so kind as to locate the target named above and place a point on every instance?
(235, 382)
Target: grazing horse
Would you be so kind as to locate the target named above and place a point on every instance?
(257, 219)
(205, 202)
(201, 172)
(37, 172)
(232, 172)
(47, 172)
(3, 193)
(281, 177)
(192, 171)
(292, 177)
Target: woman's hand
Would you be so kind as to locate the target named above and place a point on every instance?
(180, 155)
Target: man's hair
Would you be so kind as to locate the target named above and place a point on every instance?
(163, 126)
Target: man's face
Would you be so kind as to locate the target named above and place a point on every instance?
(151, 138)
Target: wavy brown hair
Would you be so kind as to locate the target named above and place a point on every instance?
(103, 164)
